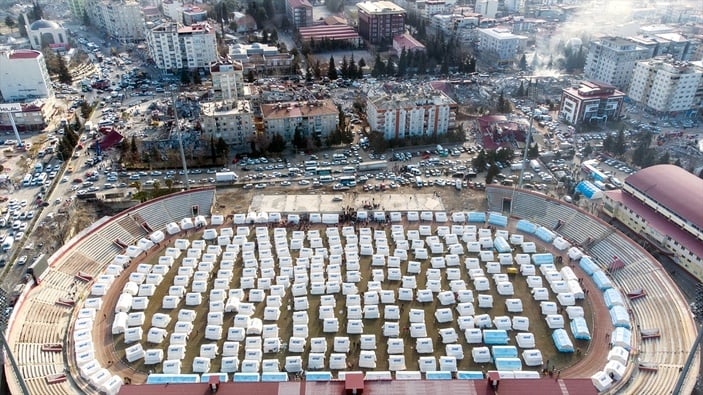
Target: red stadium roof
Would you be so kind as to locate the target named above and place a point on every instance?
(674, 188)
(331, 32)
(24, 54)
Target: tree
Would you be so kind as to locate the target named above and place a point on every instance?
(664, 159)
(523, 63)
(134, 150)
(196, 77)
(317, 72)
(533, 151)
(492, 172)
(299, 139)
(250, 76)
(360, 69)
(277, 144)
(213, 151)
(10, 22)
(169, 183)
(86, 109)
(620, 144)
(64, 74)
(521, 90)
(21, 27)
(379, 68)
(587, 150)
(344, 68)
(185, 76)
(332, 69)
(37, 12)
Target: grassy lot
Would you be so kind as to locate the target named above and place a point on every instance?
(531, 310)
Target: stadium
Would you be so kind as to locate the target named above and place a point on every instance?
(66, 336)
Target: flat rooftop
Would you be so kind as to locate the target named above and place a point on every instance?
(337, 202)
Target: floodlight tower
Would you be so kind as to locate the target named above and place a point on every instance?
(180, 143)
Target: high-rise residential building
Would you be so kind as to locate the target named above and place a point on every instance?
(404, 110)
(611, 59)
(172, 46)
(77, 8)
(671, 43)
(487, 8)
(23, 75)
(590, 102)
(119, 19)
(666, 85)
(227, 80)
(500, 45)
(261, 58)
(316, 118)
(231, 120)
(380, 21)
(299, 12)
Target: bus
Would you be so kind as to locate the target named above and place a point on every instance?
(326, 179)
(348, 181)
(349, 169)
(324, 171)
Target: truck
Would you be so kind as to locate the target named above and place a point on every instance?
(535, 166)
(8, 243)
(226, 176)
(374, 165)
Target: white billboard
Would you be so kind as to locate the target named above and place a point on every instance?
(10, 107)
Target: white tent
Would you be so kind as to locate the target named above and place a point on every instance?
(367, 359)
(615, 369)
(483, 321)
(201, 365)
(601, 381)
(134, 353)
(160, 320)
(466, 322)
(447, 364)
(521, 323)
(175, 351)
(124, 303)
(316, 361)
(555, 321)
(136, 318)
(454, 350)
(448, 335)
(391, 329)
(396, 362)
(485, 301)
(566, 299)
(294, 364)
(532, 357)
(446, 298)
(548, 308)
(418, 330)
(427, 364)
(525, 340)
(153, 356)
(396, 346)
(443, 315)
(330, 325)
(424, 345)
(296, 344)
(270, 366)
(338, 361)
(505, 288)
(503, 322)
(473, 335)
(230, 349)
(481, 355)
(119, 324)
(132, 335)
(513, 305)
(213, 332)
(156, 335)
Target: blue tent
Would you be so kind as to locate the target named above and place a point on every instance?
(160, 378)
(545, 234)
(602, 281)
(501, 245)
(542, 259)
(318, 376)
(475, 216)
(589, 190)
(504, 352)
(508, 364)
(526, 226)
(579, 328)
(497, 219)
(588, 266)
(620, 317)
(438, 375)
(246, 377)
(495, 336)
(274, 376)
(469, 375)
(613, 297)
(562, 341)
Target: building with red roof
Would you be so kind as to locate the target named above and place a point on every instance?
(408, 43)
(662, 205)
(33, 116)
(590, 101)
(329, 32)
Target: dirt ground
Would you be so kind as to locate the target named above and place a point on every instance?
(238, 200)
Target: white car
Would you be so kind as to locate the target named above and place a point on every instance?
(303, 182)
(64, 179)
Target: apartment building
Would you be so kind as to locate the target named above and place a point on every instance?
(313, 118)
(380, 21)
(590, 101)
(666, 85)
(119, 19)
(670, 43)
(30, 116)
(227, 80)
(500, 45)
(77, 8)
(261, 58)
(403, 110)
(299, 12)
(611, 60)
(23, 75)
(487, 8)
(233, 120)
(173, 46)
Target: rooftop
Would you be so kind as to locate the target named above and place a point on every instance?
(299, 3)
(379, 7)
(408, 95)
(226, 108)
(593, 90)
(44, 24)
(672, 187)
(24, 54)
(501, 33)
(408, 42)
(298, 109)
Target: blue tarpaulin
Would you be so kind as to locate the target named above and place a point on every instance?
(475, 216)
(620, 317)
(526, 226)
(508, 364)
(274, 376)
(469, 375)
(246, 377)
(562, 341)
(318, 376)
(588, 266)
(579, 328)
(495, 336)
(589, 190)
(613, 297)
(497, 219)
(542, 259)
(545, 234)
(160, 378)
(602, 281)
(438, 375)
(501, 245)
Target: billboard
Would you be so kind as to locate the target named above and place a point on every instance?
(10, 107)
